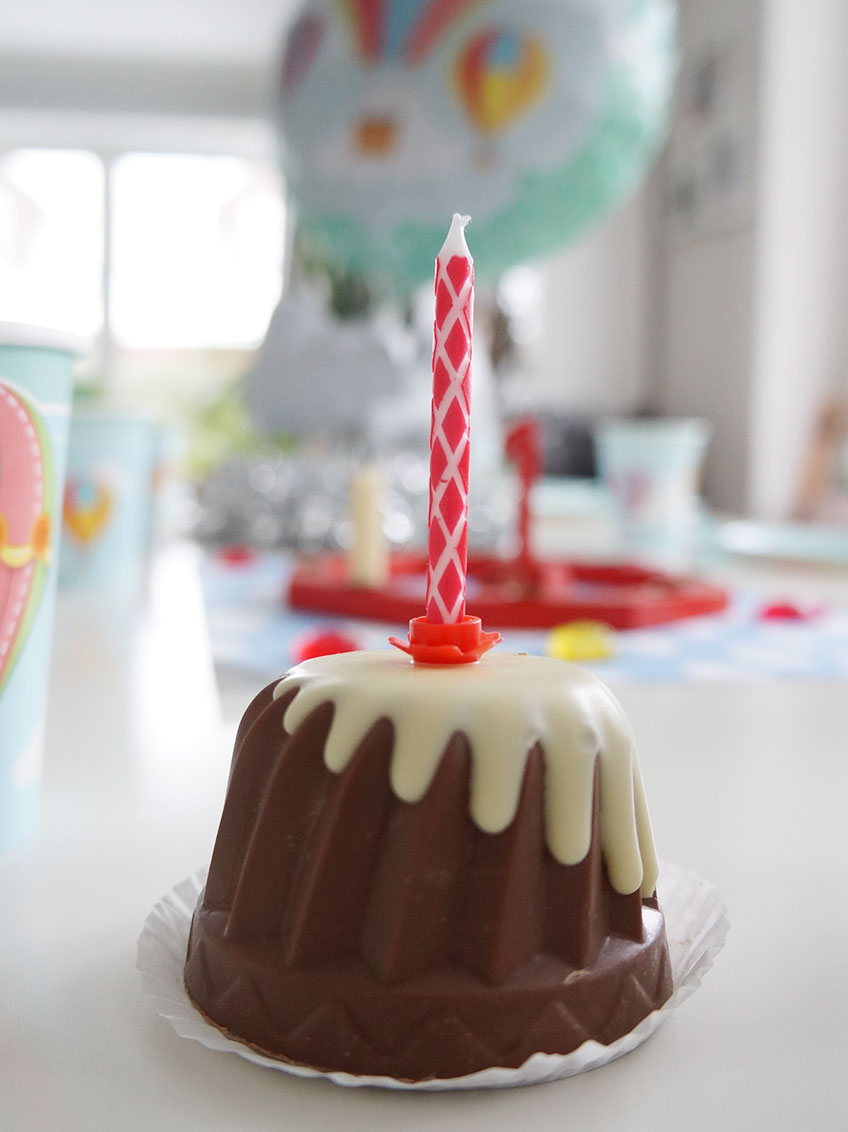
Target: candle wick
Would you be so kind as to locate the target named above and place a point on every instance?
(455, 240)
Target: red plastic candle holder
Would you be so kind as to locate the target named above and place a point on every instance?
(439, 642)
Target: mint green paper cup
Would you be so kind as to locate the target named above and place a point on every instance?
(652, 468)
(35, 396)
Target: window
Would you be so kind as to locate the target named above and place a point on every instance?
(51, 239)
(196, 251)
(172, 262)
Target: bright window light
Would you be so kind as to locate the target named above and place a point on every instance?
(197, 251)
(51, 239)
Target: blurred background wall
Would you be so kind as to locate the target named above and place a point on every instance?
(715, 291)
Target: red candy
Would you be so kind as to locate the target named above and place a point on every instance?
(236, 555)
(786, 611)
(326, 642)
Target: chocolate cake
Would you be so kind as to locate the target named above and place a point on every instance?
(423, 871)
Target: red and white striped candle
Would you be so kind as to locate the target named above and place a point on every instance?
(447, 543)
(445, 634)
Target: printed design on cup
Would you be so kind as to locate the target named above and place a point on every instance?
(87, 508)
(26, 526)
(632, 489)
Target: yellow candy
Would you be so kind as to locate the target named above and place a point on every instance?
(581, 640)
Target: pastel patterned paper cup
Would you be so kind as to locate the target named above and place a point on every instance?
(651, 468)
(35, 395)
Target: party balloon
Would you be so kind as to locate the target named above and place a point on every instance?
(533, 116)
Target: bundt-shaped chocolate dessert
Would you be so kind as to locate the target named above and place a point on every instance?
(424, 871)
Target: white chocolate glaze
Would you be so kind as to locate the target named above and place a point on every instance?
(504, 705)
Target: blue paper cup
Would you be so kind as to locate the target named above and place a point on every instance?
(652, 468)
(35, 397)
(107, 524)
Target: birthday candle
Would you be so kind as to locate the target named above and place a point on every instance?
(447, 544)
(446, 634)
(368, 558)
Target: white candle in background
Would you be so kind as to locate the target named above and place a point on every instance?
(368, 559)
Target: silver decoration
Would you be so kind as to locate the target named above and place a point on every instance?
(299, 501)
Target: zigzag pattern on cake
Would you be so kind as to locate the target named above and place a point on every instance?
(551, 1027)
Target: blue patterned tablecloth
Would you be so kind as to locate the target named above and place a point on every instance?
(251, 628)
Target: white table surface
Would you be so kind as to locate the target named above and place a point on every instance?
(748, 786)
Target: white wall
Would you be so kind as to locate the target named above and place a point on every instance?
(748, 326)
(799, 331)
(591, 353)
(656, 307)
(704, 239)
(706, 366)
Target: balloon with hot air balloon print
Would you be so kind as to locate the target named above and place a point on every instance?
(534, 116)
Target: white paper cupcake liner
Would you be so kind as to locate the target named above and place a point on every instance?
(696, 925)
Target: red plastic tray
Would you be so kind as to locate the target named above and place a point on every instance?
(505, 596)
